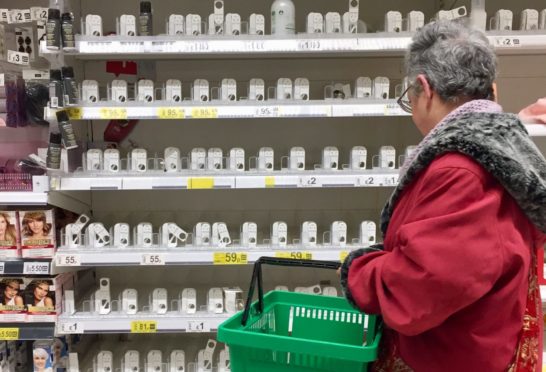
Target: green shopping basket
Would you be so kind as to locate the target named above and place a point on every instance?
(295, 332)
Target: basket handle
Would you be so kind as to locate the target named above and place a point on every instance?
(257, 277)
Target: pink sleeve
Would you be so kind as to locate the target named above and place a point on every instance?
(445, 258)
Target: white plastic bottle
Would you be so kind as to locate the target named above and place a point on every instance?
(283, 17)
(478, 16)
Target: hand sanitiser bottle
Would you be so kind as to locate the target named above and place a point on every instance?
(283, 17)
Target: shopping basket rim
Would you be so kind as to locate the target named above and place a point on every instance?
(233, 333)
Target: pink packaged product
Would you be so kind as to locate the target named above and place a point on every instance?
(37, 234)
(12, 306)
(39, 298)
(9, 236)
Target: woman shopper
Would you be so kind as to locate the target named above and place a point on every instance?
(456, 278)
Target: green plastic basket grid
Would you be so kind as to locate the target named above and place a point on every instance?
(302, 333)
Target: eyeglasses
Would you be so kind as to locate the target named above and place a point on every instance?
(404, 101)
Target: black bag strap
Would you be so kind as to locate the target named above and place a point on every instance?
(257, 277)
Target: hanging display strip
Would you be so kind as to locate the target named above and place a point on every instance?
(188, 255)
(240, 110)
(150, 46)
(110, 46)
(172, 322)
(252, 180)
(244, 44)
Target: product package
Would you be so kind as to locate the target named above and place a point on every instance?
(42, 356)
(39, 298)
(37, 234)
(9, 236)
(12, 306)
(60, 354)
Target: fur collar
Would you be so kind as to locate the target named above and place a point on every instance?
(499, 143)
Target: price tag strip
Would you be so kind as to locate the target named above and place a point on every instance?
(70, 328)
(75, 113)
(204, 113)
(198, 326)
(36, 268)
(170, 113)
(155, 259)
(230, 258)
(295, 255)
(9, 334)
(143, 326)
(18, 58)
(68, 260)
(113, 113)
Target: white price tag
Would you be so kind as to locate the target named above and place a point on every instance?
(153, 259)
(68, 260)
(267, 112)
(198, 326)
(38, 13)
(390, 180)
(2, 80)
(2, 268)
(4, 15)
(18, 58)
(309, 45)
(197, 46)
(367, 181)
(255, 46)
(20, 16)
(310, 181)
(36, 268)
(70, 328)
(508, 42)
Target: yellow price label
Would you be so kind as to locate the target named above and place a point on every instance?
(143, 326)
(171, 113)
(230, 258)
(204, 113)
(295, 255)
(200, 183)
(269, 182)
(113, 113)
(9, 334)
(343, 256)
(75, 113)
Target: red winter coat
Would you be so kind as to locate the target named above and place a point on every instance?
(452, 282)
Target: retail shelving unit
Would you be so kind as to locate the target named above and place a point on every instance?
(188, 197)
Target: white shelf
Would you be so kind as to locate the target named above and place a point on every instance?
(172, 322)
(23, 198)
(235, 110)
(157, 180)
(536, 130)
(67, 257)
(176, 47)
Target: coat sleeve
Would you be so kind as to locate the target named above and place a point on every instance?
(444, 258)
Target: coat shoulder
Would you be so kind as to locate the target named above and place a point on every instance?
(456, 160)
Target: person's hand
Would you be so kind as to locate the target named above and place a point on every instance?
(339, 272)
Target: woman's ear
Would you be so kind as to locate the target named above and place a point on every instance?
(495, 93)
(426, 88)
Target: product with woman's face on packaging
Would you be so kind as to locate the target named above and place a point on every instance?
(40, 300)
(37, 234)
(12, 307)
(8, 235)
(41, 357)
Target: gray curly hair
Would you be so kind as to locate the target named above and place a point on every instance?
(458, 61)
